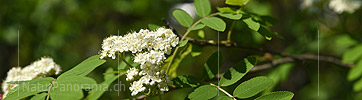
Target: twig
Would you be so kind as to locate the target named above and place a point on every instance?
(48, 95)
(222, 90)
(289, 58)
(183, 37)
(170, 27)
(140, 97)
(124, 60)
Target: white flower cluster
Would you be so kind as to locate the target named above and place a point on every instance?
(161, 40)
(149, 48)
(341, 6)
(41, 68)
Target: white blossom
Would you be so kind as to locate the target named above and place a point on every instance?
(161, 40)
(38, 69)
(149, 49)
(131, 73)
(341, 6)
(136, 86)
(152, 57)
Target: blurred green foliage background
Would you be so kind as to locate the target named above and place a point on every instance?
(72, 30)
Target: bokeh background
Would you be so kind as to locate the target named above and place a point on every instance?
(72, 30)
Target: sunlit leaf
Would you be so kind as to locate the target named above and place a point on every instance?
(204, 92)
(231, 15)
(279, 74)
(252, 24)
(235, 73)
(201, 34)
(98, 91)
(153, 27)
(41, 96)
(355, 72)
(196, 50)
(70, 87)
(212, 65)
(214, 23)
(236, 2)
(182, 17)
(353, 54)
(197, 27)
(252, 87)
(265, 32)
(186, 81)
(179, 57)
(225, 98)
(29, 88)
(183, 43)
(226, 10)
(280, 95)
(85, 67)
(203, 7)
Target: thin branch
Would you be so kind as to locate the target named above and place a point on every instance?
(289, 58)
(124, 60)
(170, 27)
(222, 90)
(183, 37)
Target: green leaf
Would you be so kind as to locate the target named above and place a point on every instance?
(204, 92)
(211, 66)
(280, 95)
(123, 65)
(235, 73)
(226, 10)
(265, 32)
(225, 98)
(28, 88)
(357, 86)
(177, 60)
(355, 72)
(214, 23)
(108, 76)
(183, 43)
(279, 74)
(252, 24)
(201, 34)
(231, 15)
(252, 87)
(203, 7)
(268, 20)
(196, 51)
(84, 67)
(39, 96)
(197, 27)
(236, 2)
(97, 92)
(182, 17)
(353, 54)
(33, 81)
(153, 27)
(70, 87)
(186, 81)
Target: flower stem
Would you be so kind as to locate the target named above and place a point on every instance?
(183, 37)
(230, 31)
(124, 60)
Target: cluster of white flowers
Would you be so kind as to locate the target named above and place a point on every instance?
(161, 40)
(341, 6)
(41, 68)
(149, 49)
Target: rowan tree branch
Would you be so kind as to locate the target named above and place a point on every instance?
(288, 57)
